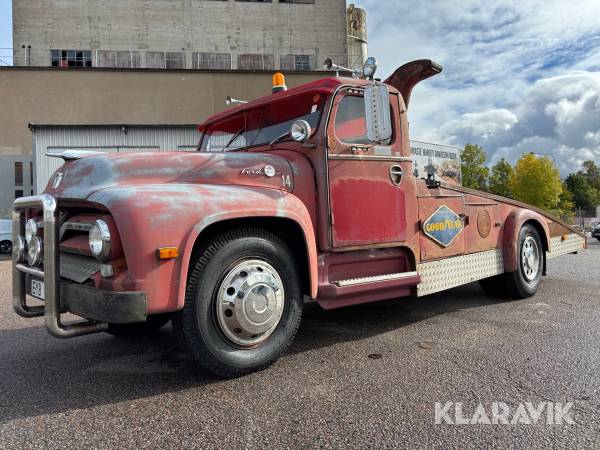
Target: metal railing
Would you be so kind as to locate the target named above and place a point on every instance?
(250, 58)
(51, 309)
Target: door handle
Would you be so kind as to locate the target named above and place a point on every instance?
(396, 174)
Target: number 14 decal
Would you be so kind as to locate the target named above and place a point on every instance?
(286, 181)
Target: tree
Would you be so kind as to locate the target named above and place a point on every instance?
(472, 164)
(500, 178)
(584, 194)
(536, 181)
(592, 173)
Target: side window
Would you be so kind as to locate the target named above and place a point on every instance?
(351, 122)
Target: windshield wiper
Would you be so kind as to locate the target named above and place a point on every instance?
(278, 138)
(234, 137)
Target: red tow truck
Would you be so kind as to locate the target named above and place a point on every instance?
(307, 192)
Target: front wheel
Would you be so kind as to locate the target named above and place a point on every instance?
(243, 303)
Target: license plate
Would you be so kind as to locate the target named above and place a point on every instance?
(37, 289)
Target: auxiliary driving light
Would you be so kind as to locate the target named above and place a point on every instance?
(30, 229)
(34, 251)
(20, 250)
(370, 68)
(300, 131)
(99, 240)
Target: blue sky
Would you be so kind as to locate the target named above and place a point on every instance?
(519, 76)
(5, 30)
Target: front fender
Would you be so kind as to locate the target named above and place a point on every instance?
(174, 215)
(512, 226)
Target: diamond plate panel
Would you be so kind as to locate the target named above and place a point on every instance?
(77, 268)
(447, 273)
(571, 244)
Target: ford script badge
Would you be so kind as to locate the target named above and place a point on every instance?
(443, 226)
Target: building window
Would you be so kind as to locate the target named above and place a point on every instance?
(306, 2)
(165, 60)
(255, 61)
(18, 174)
(297, 62)
(217, 61)
(255, 1)
(118, 59)
(31, 173)
(71, 58)
(18, 193)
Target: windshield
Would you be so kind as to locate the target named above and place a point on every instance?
(260, 126)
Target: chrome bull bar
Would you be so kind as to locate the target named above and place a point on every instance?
(51, 273)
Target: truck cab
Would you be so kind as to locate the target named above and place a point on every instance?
(305, 193)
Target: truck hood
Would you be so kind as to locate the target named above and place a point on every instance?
(80, 178)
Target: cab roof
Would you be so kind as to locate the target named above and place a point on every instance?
(325, 86)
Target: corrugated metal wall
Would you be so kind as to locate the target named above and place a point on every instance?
(55, 139)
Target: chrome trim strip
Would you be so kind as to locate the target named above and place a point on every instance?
(50, 274)
(373, 158)
(375, 279)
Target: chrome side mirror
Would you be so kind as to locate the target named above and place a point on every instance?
(300, 131)
(377, 109)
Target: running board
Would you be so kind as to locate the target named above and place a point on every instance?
(375, 279)
(367, 289)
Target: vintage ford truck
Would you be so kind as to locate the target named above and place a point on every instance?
(307, 192)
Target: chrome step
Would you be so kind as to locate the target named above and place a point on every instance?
(375, 279)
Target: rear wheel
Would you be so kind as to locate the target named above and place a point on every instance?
(243, 303)
(151, 325)
(524, 282)
(5, 248)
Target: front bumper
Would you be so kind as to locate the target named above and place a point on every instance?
(100, 307)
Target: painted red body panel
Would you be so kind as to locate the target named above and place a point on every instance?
(355, 221)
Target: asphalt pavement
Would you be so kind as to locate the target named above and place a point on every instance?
(362, 377)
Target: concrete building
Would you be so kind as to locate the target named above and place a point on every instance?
(181, 34)
(91, 68)
(81, 104)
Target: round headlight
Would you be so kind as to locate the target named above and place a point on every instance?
(34, 251)
(30, 229)
(20, 250)
(99, 240)
(300, 131)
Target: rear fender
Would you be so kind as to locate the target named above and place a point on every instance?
(510, 239)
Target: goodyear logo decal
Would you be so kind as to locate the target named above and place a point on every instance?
(443, 226)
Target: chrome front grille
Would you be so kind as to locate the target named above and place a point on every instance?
(78, 268)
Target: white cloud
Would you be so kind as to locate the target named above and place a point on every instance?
(518, 75)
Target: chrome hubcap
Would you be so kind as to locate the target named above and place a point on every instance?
(250, 302)
(530, 258)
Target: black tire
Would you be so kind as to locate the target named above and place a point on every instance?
(518, 285)
(5, 248)
(198, 326)
(598, 238)
(151, 325)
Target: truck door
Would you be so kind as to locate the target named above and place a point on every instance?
(367, 180)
